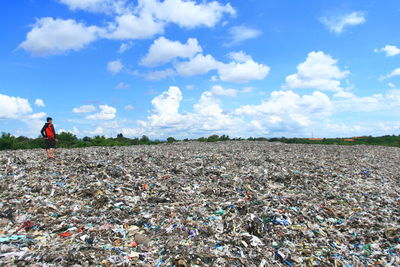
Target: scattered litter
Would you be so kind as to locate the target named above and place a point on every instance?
(201, 204)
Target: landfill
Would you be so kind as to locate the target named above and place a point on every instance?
(233, 203)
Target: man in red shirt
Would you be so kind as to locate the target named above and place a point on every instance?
(49, 135)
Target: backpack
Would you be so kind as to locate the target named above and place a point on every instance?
(49, 131)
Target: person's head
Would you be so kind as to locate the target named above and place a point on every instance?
(49, 120)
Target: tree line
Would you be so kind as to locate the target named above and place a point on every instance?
(69, 140)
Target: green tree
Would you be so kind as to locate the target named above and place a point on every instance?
(144, 140)
(6, 141)
(171, 139)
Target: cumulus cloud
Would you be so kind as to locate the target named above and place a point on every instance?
(280, 113)
(103, 6)
(287, 107)
(98, 131)
(185, 13)
(130, 26)
(199, 64)
(241, 69)
(208, 105)
(338, 23)
(57, 36)
(346, 101)
(163, 50)
(13, 107)
(189, 14)
(319, 71)
(39, 102)
(145, 20)
(390, 50)
(18, 108)
(395, 72)
(219, 90)
(238, 34)
(166, 119)
(84, 109)
(106, 113)
(115, 66)
(74, 130)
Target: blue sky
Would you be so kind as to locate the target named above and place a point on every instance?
(193, 68)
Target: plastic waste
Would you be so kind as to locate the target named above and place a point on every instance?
(201, 204)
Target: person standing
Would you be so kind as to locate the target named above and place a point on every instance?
(49, 135)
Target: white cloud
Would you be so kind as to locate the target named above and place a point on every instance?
(200, 64)
(39, 102)
(390, 50)
(124, 47)
(346, 101)
(98, 131)
(148, 18)
(13, 107)
(395, 72)
(286, 109)
(166, 120)
(189, 14)
(129, 107)
(130, 26)
(338, 23)
(208, 105)
(167, 102)
(242, 70)
(19, 109)
(281, 113)
(115, 66)
(391, 85)
(74, 130)
(239, 34)
(319, 71)
(84, 109)
(163, 50)
(122, 85)
(103, 6)
(166, 106)
(35, 116)
(148, 13)
(219, 90)
(106, 113)
(57, 36)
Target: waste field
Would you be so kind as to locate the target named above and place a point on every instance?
(235, 203)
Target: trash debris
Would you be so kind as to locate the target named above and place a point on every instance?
(234, 203)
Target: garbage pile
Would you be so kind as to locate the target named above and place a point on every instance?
(235, 203)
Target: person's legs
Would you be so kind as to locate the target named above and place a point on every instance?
(52, 152)
(50, 148)
(47, 147)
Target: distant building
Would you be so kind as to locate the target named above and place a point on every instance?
(315, 139)
(348, 140)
